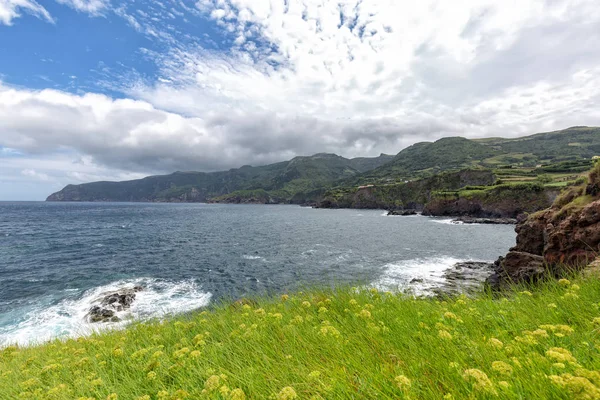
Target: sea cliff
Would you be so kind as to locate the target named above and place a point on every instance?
(559, 239)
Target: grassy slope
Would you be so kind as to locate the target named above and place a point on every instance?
(335, 345)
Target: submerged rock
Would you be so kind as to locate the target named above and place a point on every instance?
(402, 213)
(111, 303)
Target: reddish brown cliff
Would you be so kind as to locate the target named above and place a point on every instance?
(563, 237)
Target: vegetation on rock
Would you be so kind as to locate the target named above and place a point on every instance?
(553, 241)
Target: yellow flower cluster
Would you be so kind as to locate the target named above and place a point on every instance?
(561, 355)
(502, 368)
(481, 382)
(495, 343)
(287, 393)
(580, 387)
(402, 382)
(443, 334)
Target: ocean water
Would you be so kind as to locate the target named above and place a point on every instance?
(57, 258)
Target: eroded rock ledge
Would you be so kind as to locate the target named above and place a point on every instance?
(554, 241)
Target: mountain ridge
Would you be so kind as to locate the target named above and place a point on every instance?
(306, 178)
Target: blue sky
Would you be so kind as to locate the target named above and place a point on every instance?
(106, 90)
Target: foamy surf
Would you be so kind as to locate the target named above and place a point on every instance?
(67, 319)
(419, 275)
(448, 221)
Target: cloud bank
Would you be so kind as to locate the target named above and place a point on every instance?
(294, 78)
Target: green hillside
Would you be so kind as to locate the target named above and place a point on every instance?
(283, 180)
(307, 179)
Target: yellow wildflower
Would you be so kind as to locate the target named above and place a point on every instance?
(526, 293)
(284, 297)
(246, 307)
(260, 311)
(195, 354)
(364, 314)
(561, 355)
(480, 380)
(374, 290)
(443, 334)
(322, 310)
(224, 390)
(451, 315)
(305, 304)
(237, 394)
(212, 383)
(112, 396)
(144, 397)
(502, 368)
(580, 387)
(151, 375)
(118, 352)
(353, 302)
(329, 330)
(495, 343)
(564, 282)
(96, 382)
(314, 375)
(596, 321)
(402, 382)
(570, 296)
(287, 393)
(575, 287)
(504, 384)
(559, 365)
(552, 305)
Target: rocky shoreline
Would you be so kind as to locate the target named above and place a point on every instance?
(484, 221)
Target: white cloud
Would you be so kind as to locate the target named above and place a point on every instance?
(93, 7)
(304, 76)
(11, 9)
(32, 173)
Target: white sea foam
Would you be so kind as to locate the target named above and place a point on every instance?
(419, 275)
(159, 298)
(249, 257)
(448, 221)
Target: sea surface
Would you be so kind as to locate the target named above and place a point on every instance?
(56, 259)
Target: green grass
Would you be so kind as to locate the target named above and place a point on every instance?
(340, 344)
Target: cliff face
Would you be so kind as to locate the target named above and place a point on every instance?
(502, 201)
(409, 195)
(564, 237)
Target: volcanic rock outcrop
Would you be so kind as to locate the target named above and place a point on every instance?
(564, 237)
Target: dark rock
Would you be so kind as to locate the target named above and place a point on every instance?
(111, 303)
(496, 221)
(520, 267)
(417, 280)
(465, 277)
(402, 213)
